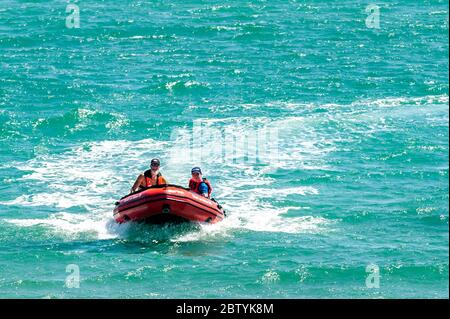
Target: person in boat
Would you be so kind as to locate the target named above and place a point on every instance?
(150, 177)
(199, 184)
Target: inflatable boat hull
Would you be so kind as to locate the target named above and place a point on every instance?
(167, 203)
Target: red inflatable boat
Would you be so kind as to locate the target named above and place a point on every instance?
(167, 203)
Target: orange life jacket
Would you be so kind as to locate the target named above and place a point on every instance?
(160, 180)
(194, 185)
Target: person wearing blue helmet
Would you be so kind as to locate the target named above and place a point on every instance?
(199, 184)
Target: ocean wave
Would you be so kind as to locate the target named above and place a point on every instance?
(80, 119)
(337, 108)
(181, 85)
(398, 101)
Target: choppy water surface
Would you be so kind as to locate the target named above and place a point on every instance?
(359, 176)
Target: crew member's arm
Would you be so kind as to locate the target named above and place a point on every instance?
(163, 180)
(137, 183)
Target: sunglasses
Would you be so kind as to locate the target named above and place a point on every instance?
(195, 173)
(155, 165)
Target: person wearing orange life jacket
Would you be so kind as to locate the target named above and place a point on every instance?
(198, 184)
(150, 177)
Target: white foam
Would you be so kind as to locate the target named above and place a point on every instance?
(397, 101)
(281, 193)
(70, 225)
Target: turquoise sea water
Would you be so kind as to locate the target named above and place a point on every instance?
(360, 124)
